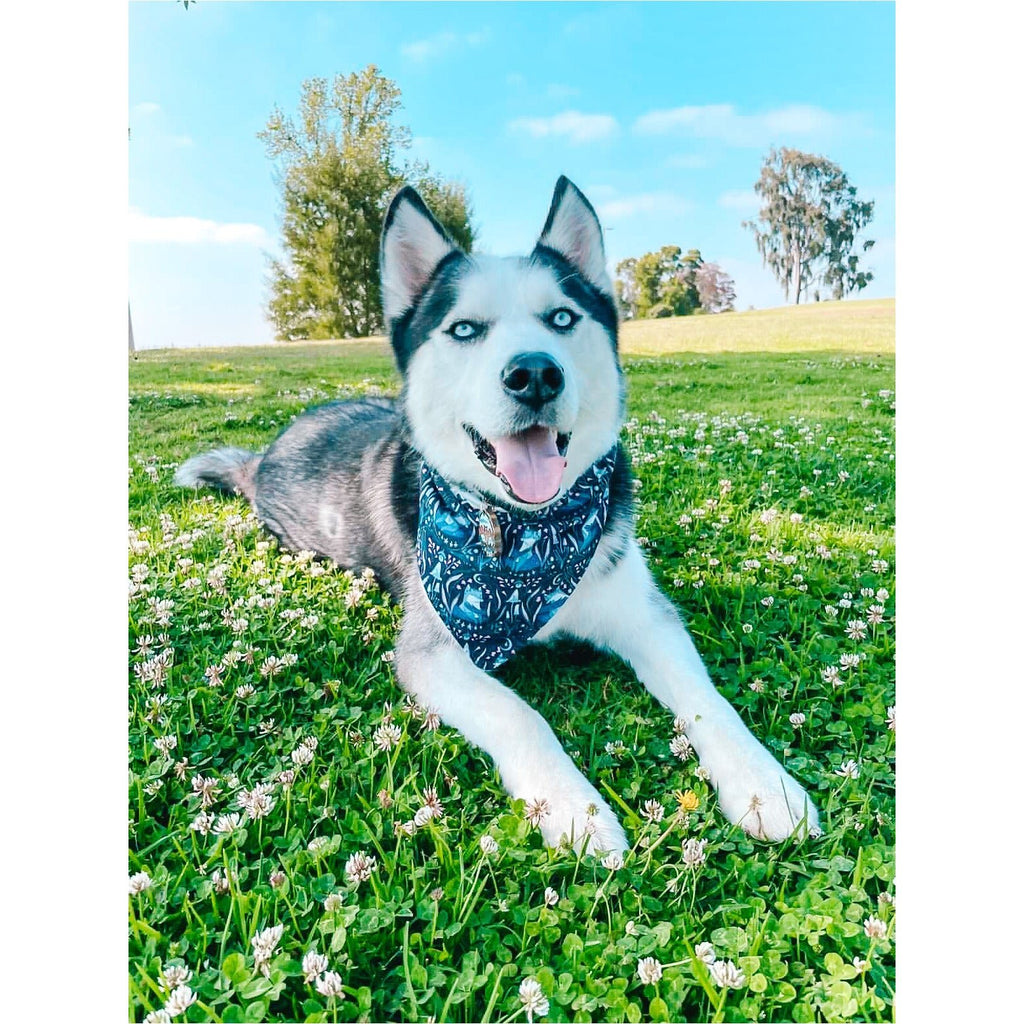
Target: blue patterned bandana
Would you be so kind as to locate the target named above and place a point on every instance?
(496, 576)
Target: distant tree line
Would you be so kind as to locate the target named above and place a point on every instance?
(669, 283)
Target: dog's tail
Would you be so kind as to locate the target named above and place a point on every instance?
(232, 470)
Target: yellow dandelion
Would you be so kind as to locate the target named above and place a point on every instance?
(688, 801)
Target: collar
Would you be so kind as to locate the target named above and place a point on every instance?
(496, 575)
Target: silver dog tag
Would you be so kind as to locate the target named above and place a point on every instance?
(490, 533)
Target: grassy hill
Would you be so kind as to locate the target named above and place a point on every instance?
(763, 448)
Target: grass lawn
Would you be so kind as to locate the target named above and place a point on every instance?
(270, 745)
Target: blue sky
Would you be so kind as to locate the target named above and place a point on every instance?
(661, 112)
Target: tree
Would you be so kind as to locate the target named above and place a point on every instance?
(808, 223)
(339, 162)
(716, 288)
(661, 283)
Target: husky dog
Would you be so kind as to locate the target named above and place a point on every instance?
(494, 501)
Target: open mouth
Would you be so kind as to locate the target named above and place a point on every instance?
(529, 464)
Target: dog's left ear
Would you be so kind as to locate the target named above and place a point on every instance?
(412, 244)
(573, 230)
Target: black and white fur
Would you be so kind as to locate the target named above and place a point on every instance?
(342, 480)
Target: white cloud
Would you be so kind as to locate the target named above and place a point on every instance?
(723, 122)
(191, 230)
(661, 203)
(145, 109)
(745, 200)
(441, 43)
(688, 161)
(571, 123)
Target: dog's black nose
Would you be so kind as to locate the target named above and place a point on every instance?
(533, 378)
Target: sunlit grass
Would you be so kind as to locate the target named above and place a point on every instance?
(766, 508)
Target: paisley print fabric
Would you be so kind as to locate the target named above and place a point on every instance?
(494, 605)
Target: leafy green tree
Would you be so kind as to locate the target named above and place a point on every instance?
(339, 161)
(807, 227)
(661, 283)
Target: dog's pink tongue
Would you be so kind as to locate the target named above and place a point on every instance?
(530, 463)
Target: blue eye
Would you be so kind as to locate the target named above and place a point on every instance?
(562, 319)
(466, 330)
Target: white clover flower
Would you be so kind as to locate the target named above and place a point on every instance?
(432, 803)
(165, 744)
(301, 755)
(797, 719)
(693, 852)
(264, 943)
(706, 952)
(359, 867)
(680, 746)
(890, 717)
(313, 964)
(139, 882)
(227, 823)
(830, 674)
(205, 788)
(258, 801)
(221, 882)
(857, 629)
(613, 861)
(848, 770)
(860, 966)
(648, 970)
(726, 974)
(537, 810)
(653, 810)
(488, 844)
(180, 1000)
(421, 817)
(333, 901)
(387, 736)
(160, 1016)
(551, 897)
(531, 995)
(173, 976)
(330, 984)
(875, 928)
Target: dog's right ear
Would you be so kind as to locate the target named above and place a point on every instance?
(412, 244)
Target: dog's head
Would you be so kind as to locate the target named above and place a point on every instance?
(512, 379)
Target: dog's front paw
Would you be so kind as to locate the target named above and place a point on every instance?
(764, 800)
(573, 813)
